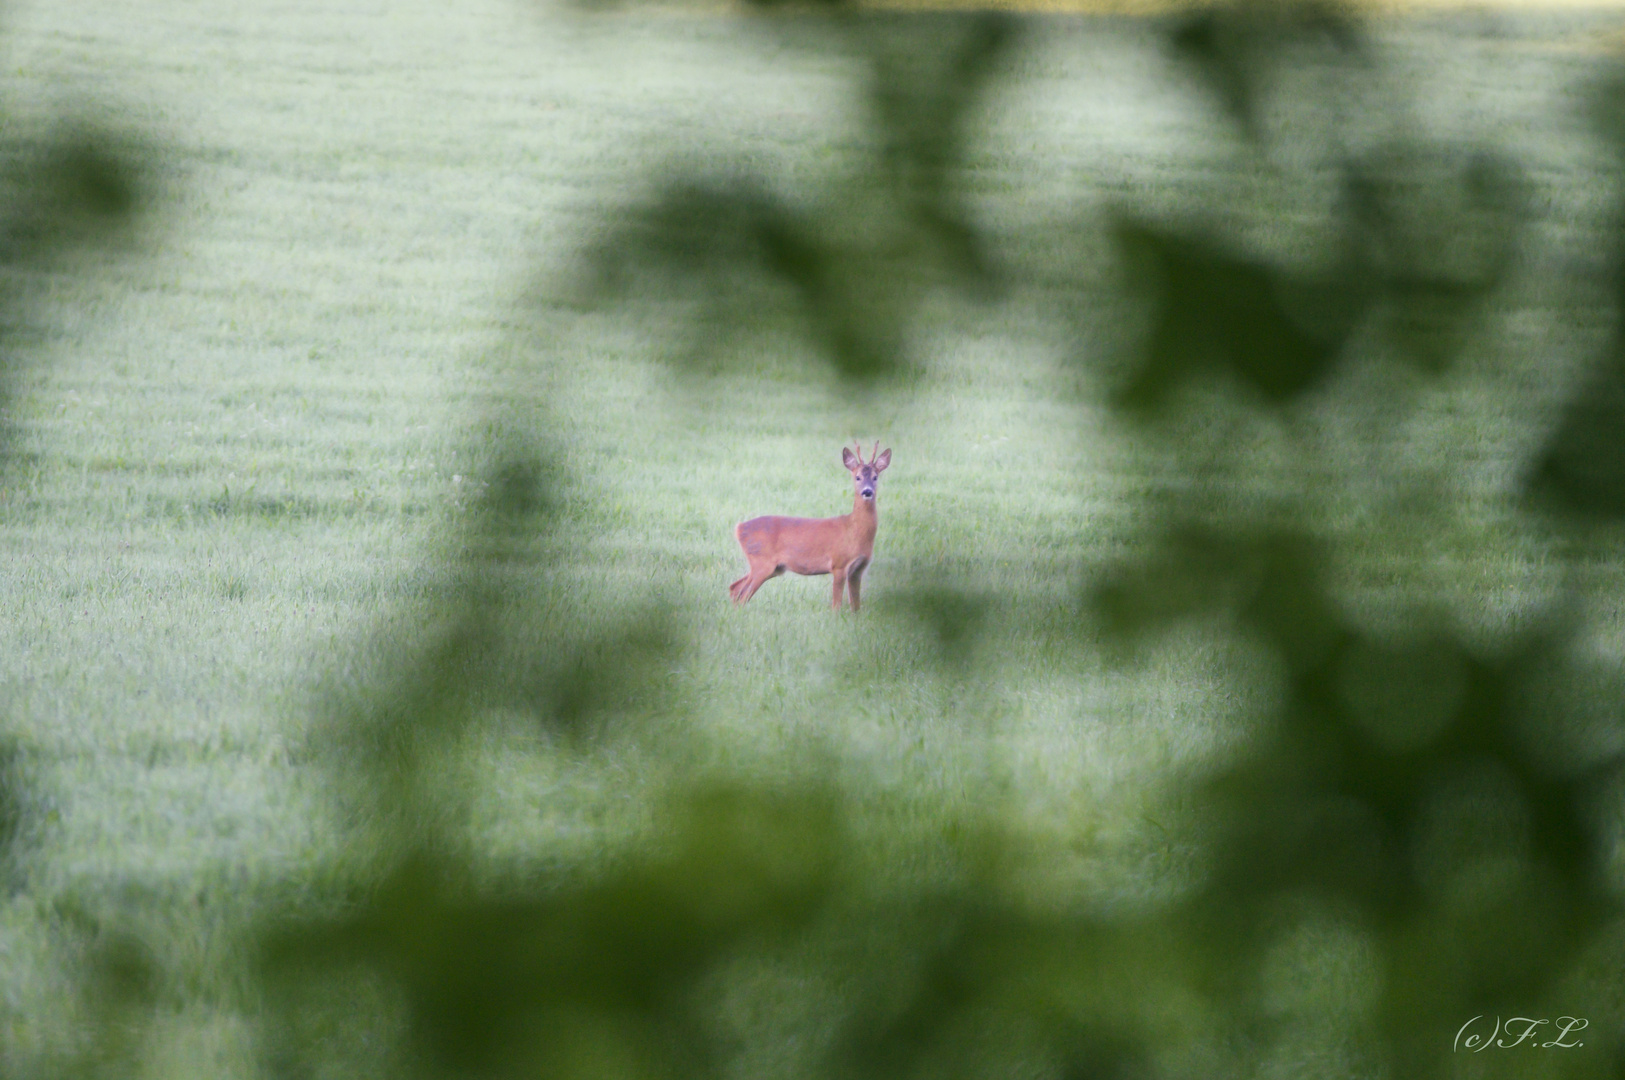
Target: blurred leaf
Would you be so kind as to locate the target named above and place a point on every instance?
(1439, 226)
(751, 260)
(69, 188)
(847, 265)
(1272, 578)
(1581, 470)
(489, 977)
(924, 95)
(11, 805)
(79, 185)
(1234, 45)
(1214, 313)
(954, 620)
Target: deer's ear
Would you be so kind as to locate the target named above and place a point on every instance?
(883, 460)
(849, 459)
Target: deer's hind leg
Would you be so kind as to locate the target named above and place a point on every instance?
(745, 588)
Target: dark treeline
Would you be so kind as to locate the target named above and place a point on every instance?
(1431, 804)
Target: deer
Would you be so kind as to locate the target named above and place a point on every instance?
(838, 546)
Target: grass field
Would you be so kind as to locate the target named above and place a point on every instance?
(248, 444)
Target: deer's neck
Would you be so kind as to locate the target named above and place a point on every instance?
(863, 513)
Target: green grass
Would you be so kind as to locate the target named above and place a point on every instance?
(245, 451)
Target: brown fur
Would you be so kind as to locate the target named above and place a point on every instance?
(838, 546)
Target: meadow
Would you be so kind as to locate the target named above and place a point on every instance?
(248, 445)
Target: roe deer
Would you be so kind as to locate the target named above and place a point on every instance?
(838, 546)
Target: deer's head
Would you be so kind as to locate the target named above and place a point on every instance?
(866, 474)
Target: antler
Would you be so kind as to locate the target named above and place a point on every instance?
(857, 448)
(875, 452)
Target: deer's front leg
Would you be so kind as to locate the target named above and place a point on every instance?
(838, 576)
(853, 580)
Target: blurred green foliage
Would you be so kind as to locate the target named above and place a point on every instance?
(60, 190)
(1416, 833)
(847, 261)
(71, 188)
